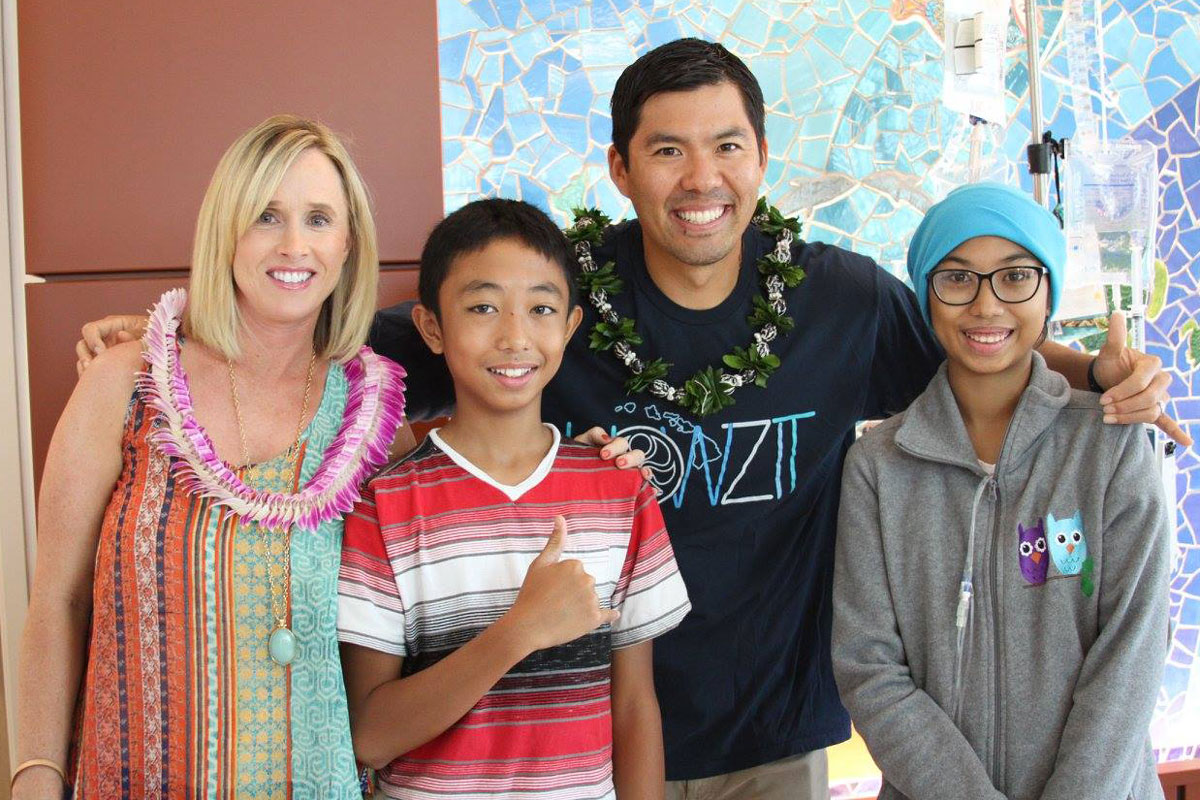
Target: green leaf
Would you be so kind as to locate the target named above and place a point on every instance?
(792, 276)
(776, 222)
(592, 231)
(651, 371)
(594, 214)
(604, 278)
(704, 394)
(789, 272)
(764, 314)
(605, 335)
(736, 362)
(748, 358)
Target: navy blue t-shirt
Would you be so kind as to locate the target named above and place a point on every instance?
(750, 494)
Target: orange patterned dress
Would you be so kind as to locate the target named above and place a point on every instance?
(180, 697)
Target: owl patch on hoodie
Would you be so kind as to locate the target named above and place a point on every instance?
(1068, 549)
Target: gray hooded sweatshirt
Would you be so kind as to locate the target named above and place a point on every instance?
(1065, 633)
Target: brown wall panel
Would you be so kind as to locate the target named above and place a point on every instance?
(55, 312)
(126, 105)
(397, 285)
(58, 309)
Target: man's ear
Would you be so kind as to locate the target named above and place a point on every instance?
(618, 170)
(429, 327)
(762, 153)
(573, 320)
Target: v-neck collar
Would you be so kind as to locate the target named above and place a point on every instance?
(513, 493)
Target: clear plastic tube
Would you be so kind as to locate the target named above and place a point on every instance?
(962, 611)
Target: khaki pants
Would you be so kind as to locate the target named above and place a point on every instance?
(802, 777)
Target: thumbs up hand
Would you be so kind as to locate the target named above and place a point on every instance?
(1137, 384)
(557, 602)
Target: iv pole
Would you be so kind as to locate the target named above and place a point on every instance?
(1032, 36)
(1137, 312)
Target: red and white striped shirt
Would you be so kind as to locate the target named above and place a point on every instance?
(436, 551)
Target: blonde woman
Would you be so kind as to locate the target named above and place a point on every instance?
(182, 639)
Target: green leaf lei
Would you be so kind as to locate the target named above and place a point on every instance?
(711, 389)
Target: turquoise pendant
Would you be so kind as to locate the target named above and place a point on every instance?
(282, 646)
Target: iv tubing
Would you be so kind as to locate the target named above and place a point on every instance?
(962, 611)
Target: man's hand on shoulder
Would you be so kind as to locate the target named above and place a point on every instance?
(99, 335)
(1137, 384)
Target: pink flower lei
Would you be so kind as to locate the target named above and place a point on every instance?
(374, 411)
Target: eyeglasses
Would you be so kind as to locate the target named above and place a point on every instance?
(960, 287)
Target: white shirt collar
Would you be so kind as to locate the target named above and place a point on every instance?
(512, 492)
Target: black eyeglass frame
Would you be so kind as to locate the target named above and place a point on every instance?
(982, 276)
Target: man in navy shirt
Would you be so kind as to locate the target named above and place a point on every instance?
(750, 489)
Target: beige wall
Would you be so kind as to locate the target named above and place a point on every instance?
(16, 495)
(5, 767)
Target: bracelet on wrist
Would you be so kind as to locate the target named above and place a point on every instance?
(37, 762)
(1094, 384)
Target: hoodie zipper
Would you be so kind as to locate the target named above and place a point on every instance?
(997, 633)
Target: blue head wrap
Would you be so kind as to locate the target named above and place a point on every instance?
(986, 209)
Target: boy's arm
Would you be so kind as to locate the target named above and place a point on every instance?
(1103, 742)
(390, 715)
(901, 724)
(652, 599)
(638, 769)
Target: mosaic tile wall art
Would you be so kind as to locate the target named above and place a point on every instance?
(860, 146)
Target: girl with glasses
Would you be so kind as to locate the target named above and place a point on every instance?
(1000, 590)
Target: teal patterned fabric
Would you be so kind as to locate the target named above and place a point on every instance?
(322, 755)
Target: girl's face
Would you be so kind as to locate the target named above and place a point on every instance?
(988, 336)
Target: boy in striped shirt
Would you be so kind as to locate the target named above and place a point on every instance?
(500, 587)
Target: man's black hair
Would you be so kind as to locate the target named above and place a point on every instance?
(475, 226)
(680, 66)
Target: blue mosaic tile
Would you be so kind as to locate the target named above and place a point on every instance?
(1141, 50)
(1189, 173)
(751, 25)
(1186, 44)
(1167, 21)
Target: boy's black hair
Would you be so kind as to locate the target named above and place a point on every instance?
(679, 66)
(481, 222)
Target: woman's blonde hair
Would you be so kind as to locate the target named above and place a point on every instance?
(244, 183)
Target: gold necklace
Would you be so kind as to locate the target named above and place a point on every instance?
(281, 645)
(237, 412)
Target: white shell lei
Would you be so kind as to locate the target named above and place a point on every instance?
(374, 411)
